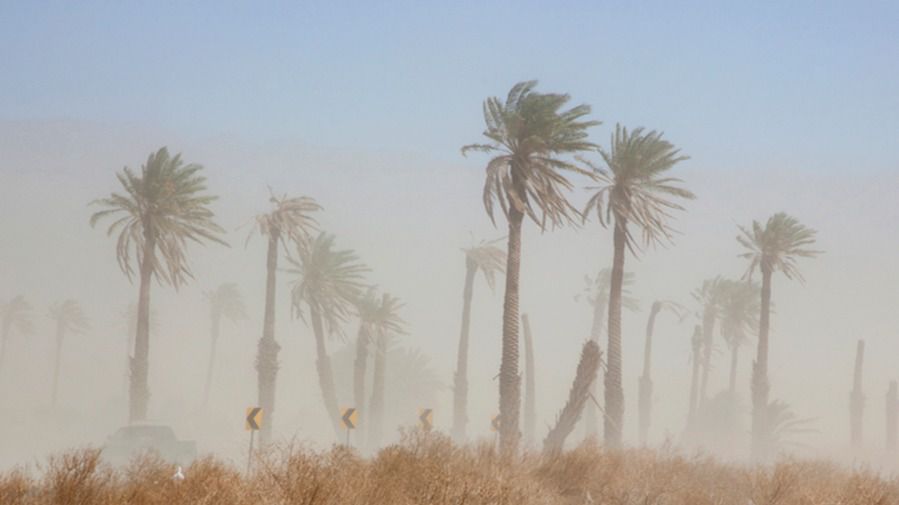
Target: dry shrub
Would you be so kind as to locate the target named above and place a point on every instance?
(15, 487)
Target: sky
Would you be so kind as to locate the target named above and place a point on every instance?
(364, 107)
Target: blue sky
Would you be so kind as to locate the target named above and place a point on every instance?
(803, 85)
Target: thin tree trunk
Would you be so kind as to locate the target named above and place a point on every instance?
(734, 358)
(709, 316)
(376, 407)
(591, 420)
(892, 408)
(268, 348)
(460, 386)
(857, 398)
(694, 381)
(614, 394)
(325, 372)
(645, 393)
(60, 335)
(509, 380)
(4, 341)
(140, 363)
(587, 370)
(760, 387)
(530, 402)
(359, 367)
(214, 338)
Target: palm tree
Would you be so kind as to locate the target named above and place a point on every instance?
(68, 317)
(225, 301)
(164, 207)
(772, 248)
(489, 259)
(530, 385)
(709, 297)
(327, 285)
(596, 293)
(739, 315)
(15, 315)
(634, 190)
(289, 221)
(696, 344)
(128, 317)
(529, 134)
(644, 405)
(587, 369)
(857, 398)
(892, 417)
(377, 321)
(385, 323)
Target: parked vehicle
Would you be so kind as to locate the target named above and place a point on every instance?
(136, 439)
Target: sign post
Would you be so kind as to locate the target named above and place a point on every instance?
(349, 417)
(252, 423)
(494, 427)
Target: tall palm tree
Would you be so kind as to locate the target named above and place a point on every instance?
(128, 317)
(225, 301)
(14, 315)
(489, 259)
(69, 318)
(644, 405)
(596, 293)
(163, 207)
(635, 189)
(739, 315)
(290, 221)
(386, 323)
(327, 284)
(775, 247)
(695, 358)
(709, 297)
(529, 134)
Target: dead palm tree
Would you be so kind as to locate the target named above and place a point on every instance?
(739, 315)
(709, 297)
(775, 247)
(634, 190)
(327, 286)
(163, 207)
(69, 318)
(385, 323)
(644, 405)
(289, 222)
(488, 259)
(596, 293)
(225, 301)
(587, 369)
(529, 134)
(15, 315)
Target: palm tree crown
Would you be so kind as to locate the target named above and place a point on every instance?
(528, 133)
(488, 258)
(739, 311)
(596, 290)
(16, 314)
(164, 205)
(226, 300)
(70, 317)
(291, 218)
(380, 314)
(635, 188)
(777, 246)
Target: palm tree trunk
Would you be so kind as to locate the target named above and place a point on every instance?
(268, 348)
(892, 408)
(734, 358)
(4, 341)
(587, 370)
(857, 398)
(614, 394)
(509, 380)
(709, 316)
(60, 334)
(591, 420)
(694, 381)
(460, 386)
(376, 407)
(530, 401)
(140, 364)
(359, 367)
(645, 392)
(214, 338)
(325, 372)
(760, 387)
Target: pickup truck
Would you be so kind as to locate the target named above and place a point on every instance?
(136, 439)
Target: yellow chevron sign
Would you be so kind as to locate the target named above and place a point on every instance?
(350, 418)
(253, 419)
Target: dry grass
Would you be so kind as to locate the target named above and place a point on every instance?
(431, 470)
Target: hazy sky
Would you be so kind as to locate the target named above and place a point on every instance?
(781, 107)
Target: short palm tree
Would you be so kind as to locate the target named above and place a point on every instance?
(327, 285)
(529, 135)
(709, 297)
(644, 402)
(384, 324)
(775, 247)
(69, 318)
(14, 315)
(163, 208)
(225, 301)
(289, 222)
(739, 315)
(490, 260)
(634, 190)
